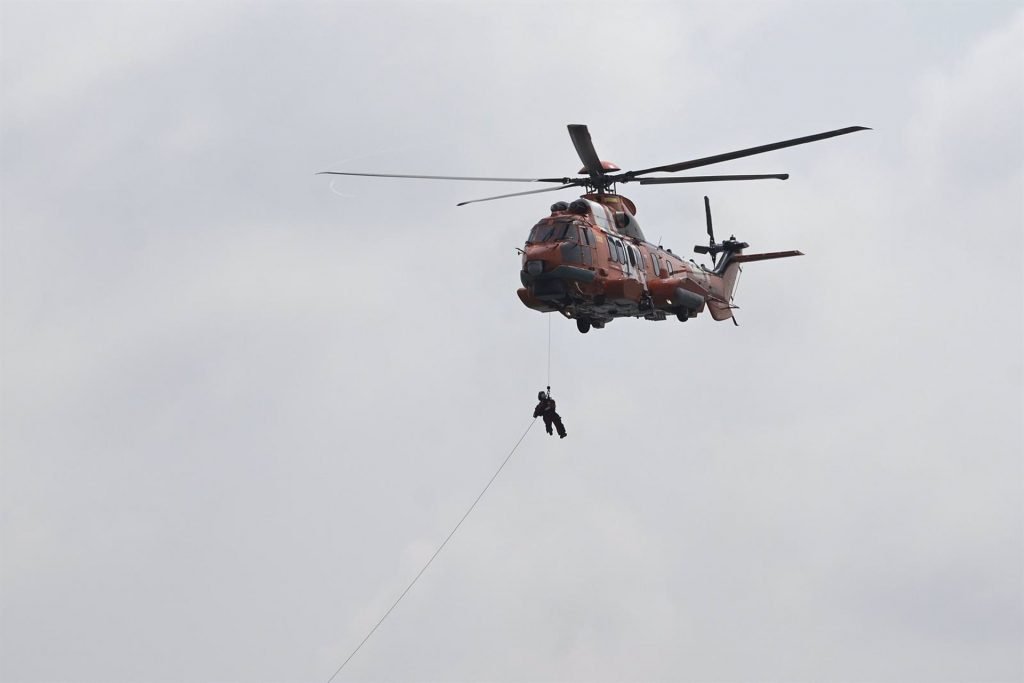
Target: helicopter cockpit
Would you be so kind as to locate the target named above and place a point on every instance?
(555, 229)
(571, 235)
(565, 224)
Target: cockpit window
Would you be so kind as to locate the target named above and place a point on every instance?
(553, 231)
(541, 233)
(567, 232)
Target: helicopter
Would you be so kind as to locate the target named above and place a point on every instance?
(589, 260)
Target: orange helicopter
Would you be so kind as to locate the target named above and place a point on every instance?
(589, 260)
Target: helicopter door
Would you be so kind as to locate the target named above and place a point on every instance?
(619, 253)
(636, 259)
(630, 265)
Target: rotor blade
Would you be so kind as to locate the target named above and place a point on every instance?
(517, 194)
(710, 178)
(450, 177)
(718, 158)
(707, 214)
(585, 148)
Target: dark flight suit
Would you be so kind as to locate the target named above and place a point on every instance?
(546, 409)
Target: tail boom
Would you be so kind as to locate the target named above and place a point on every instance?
(720, 305)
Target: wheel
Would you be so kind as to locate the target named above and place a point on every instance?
(683, 316)
(583, 325)
(598, 324)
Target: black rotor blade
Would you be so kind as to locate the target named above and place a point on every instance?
(712, 247)
(718, 158)
(710, 178)
(517, 194)
(701, 249)
(707, 214)
(585, 148)
(450, 177)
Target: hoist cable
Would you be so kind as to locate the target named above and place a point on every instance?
(549, 352)
(436, 552)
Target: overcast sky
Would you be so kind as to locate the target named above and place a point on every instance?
(243, 404)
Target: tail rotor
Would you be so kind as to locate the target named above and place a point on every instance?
(713, 248)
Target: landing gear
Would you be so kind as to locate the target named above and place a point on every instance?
(683, 315)
(598, 324)
(583, 325)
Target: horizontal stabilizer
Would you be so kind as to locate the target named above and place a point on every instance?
(744, 258)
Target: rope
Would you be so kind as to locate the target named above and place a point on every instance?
(549, 353)
(436, 552)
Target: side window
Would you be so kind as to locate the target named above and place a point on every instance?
(586, 240)
(654, 265)
(632, 258)
(668, 265)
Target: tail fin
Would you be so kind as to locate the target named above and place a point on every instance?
(721, 306)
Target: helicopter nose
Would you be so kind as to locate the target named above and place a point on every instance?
(534, 267)
(539, 259)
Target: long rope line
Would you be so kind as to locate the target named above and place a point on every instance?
(436, 552)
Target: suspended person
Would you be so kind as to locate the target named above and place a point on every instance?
(546, 409)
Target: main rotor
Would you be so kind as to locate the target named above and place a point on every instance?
(602, 177)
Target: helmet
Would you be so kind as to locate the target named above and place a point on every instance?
(541, 395)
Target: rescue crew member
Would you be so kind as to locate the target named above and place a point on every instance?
(546, 409)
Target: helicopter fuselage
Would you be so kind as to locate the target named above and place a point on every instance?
(590, 261)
